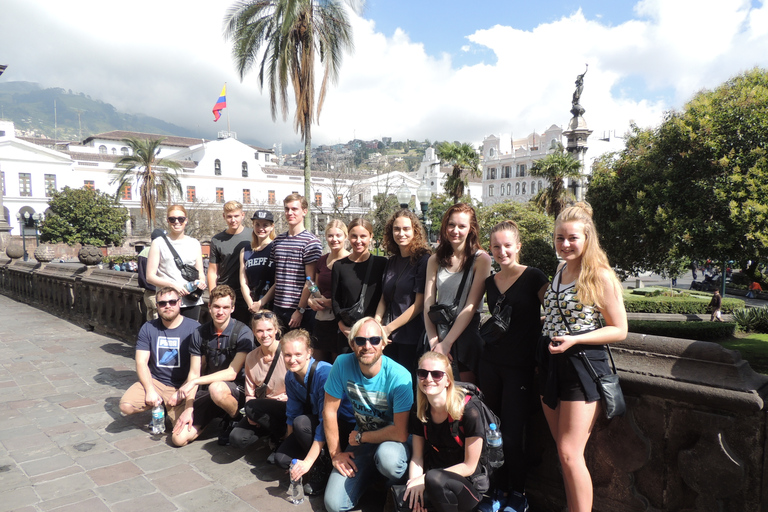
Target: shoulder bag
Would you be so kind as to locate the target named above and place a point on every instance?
(261, 391)
(494, 329)
(445, 314)
(188, 272)
(356, 311)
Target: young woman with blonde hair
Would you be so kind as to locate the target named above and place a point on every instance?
(257, 270)
(583, 289)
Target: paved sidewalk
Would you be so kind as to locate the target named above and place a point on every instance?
(64, 445)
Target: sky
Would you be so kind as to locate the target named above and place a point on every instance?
(420, 69)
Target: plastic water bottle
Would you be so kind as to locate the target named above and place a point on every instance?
(158, 419)
(191, 286)
(495, 451)
(313, 289)
(295, 489)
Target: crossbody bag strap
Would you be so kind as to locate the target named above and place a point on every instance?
(559, 275)
(464, 277)
(309, 380)
(272, 366)
(365, 281)
(176, 258)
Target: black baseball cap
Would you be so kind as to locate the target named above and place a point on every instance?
(263, 215)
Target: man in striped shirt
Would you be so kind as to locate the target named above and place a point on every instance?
(295, 253)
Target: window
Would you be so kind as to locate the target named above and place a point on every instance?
(50, 184)
(339, 201)
(318, 199)
(245, 169)
(114, 151)
(25, 184)
(271, 197)
(124, 151)
(507, 171)
(493, 173)
(520, 171)
(103, 149)
(517, 189)
(125, 193)
(533, 187)
(219, 195)
(490, 190)
(246, 196)
(540, 186)
(191, 196)
(523, 188)
(89, 185)
(360, 199)
(217, 167)
(501, 189)
(509, 189)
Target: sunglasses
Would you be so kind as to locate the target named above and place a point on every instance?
(436, 374)
(360, 341)
(163, 303)
(259, 316)
(174, 220)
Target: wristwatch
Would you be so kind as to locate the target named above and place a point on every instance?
(301, 310)
(359, 438)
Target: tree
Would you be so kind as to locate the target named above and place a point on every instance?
(465, 162)
(156, 178)
(555, 167)
(386, 206)
(288, 35)
(695, 187)
(536, 230)
(85, 216)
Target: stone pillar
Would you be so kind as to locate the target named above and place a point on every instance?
(5, 228)
(577, 135)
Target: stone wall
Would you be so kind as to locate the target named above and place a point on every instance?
(693, 438)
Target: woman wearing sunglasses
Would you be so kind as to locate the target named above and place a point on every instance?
(305, 435)
(161, 265)
(456, 276)
(440, 470)
(351, 274)
(257, 270)
(402, 298)
(508, 364)
(265, 399)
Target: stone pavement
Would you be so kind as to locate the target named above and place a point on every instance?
(64, 445)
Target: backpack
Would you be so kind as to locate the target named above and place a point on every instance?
(481, 480)
(216, 364)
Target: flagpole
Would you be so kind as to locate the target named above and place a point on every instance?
(228, 129)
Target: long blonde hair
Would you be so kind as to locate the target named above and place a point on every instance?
(454, 400)
(589, 286)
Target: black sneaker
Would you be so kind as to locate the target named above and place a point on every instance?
(227, 425)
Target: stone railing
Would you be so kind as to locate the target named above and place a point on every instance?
(694, 436)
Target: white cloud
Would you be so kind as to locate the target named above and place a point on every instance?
(168, 59)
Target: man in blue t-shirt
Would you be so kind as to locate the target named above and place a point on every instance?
(382, 395)
(217, 354)
(162, 358)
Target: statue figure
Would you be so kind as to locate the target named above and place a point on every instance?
(577, 109)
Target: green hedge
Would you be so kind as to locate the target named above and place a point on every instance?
(680, 305)
(701, 331)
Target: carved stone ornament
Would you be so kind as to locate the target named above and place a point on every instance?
(14, 251)
(89, 255)
(45, 253)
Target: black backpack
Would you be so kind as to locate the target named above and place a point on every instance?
(480, 480)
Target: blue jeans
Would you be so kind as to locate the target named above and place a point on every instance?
(389, 458)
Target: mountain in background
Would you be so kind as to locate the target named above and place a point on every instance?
(31, 109)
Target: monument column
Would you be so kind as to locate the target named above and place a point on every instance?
(576, 136)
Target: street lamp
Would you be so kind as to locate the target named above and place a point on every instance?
(403, 195)
(22, 221)
(429, 229)
(425, 196)
(37, 218)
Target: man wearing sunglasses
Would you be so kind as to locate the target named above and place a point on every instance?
(217, 355)
(162, 358)
(381, 392)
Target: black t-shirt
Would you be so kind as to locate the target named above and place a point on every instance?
(402, 281)
(225, 252)
(347, 283)
(518, 348)
(440, 448)
(218, 356)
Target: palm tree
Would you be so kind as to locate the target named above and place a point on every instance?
(157, 178)
(555, 167)
(466, 163)
(287, 35)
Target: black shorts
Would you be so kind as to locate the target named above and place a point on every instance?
(206, 410)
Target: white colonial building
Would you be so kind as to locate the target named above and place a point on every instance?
(507, 163)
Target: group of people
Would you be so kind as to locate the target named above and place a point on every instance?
(365, 337)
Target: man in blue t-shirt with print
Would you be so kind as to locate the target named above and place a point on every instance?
(162, 358)
(382, 395)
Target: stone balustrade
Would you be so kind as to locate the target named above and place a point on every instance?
(693, 439)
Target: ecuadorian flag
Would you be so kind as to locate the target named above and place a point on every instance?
(221, 104)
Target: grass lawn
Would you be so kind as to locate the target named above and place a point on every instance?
(753, 348)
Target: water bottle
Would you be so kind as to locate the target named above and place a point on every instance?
(191, 286)
(313, 289)
(295, 489)
(158, 419)
(495, 451)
